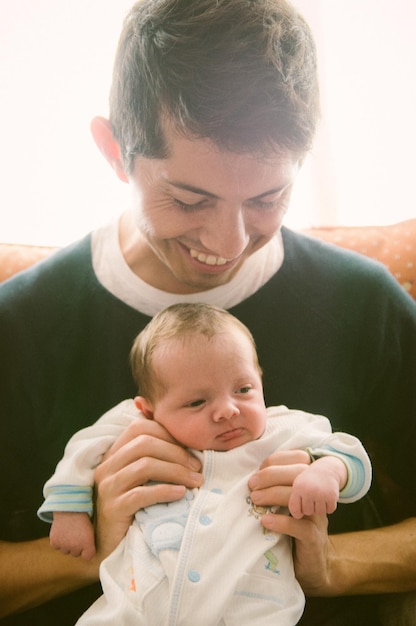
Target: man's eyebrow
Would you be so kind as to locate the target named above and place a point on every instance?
(270, 192)
(209, 194)
(186, 187)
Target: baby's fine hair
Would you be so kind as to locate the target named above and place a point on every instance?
(178, 322)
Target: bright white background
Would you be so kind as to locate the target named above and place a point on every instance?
(55, 68)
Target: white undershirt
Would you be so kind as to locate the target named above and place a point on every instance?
(116, 276)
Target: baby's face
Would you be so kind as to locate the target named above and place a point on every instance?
(212, 391)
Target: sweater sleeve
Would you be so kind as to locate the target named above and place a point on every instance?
(313, 433)
(70, 487)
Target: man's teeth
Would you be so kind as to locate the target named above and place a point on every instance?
(208, 259)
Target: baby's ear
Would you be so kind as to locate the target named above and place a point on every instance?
(144, 406)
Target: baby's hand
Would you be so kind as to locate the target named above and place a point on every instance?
(73, 533)
(316, 490)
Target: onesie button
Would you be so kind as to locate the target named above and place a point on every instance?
(194, 576)
(205, 520)
(216, 490)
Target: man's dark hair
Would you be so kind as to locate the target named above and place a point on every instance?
(241, 73)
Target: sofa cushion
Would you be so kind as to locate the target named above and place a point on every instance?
(394, 245)
(17, 257)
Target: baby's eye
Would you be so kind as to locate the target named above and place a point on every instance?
(245, 389)
(196, 403)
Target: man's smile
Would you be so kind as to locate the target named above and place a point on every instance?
(208, 259)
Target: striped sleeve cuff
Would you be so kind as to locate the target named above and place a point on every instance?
(69, 498)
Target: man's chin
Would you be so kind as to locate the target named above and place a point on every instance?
(199, 283)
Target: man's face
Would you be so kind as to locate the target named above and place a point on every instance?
(203, 211)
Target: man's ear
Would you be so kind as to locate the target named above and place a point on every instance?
(144, 406)
(108, 146)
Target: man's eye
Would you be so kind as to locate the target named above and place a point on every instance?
(196, 403)
(188, 207)
(265, 206)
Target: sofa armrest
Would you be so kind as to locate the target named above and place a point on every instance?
(393, 245)
(17, 257)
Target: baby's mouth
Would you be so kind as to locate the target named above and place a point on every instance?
(231, 434)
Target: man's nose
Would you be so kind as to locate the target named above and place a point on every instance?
(226, 233)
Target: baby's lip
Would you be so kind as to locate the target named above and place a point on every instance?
(230, 434)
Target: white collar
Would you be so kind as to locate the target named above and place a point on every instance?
(116, 276)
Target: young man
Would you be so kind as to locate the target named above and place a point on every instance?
(212, 109)
(197, 370)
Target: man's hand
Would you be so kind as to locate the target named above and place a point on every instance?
(144, 452)
(312, 549)
(272, 486)
(272, 483)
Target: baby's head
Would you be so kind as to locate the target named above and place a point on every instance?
(198, 375)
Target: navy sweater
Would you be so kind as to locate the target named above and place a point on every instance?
(335, 333)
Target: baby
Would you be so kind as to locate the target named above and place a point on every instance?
(198, 376)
